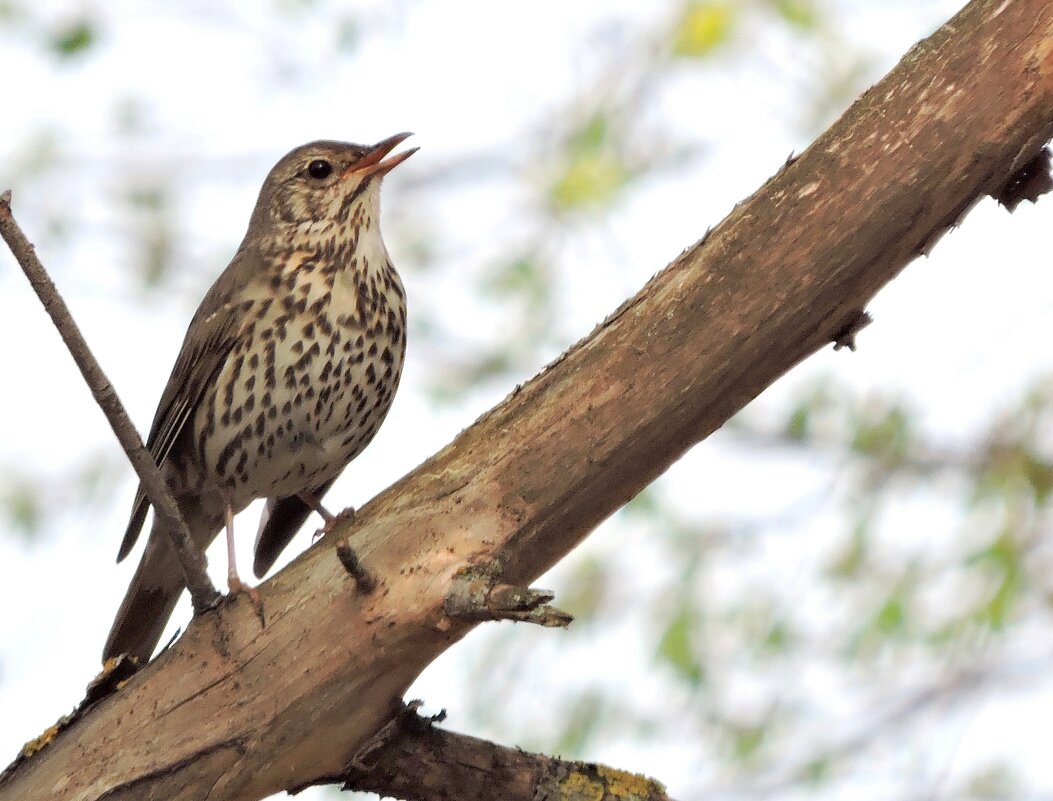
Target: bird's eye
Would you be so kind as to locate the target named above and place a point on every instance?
(319, 169)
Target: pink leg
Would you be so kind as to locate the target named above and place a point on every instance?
(329, 518)
(234, 582)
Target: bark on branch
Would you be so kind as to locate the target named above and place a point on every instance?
(425, 763)
(232, 712)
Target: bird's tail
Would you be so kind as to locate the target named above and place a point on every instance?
(151, 597)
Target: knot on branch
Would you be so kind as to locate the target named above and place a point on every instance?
(477, 594)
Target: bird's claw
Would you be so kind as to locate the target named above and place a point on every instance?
(347, 515)
(239, 587)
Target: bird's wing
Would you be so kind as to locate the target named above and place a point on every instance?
(280, 521)
(209, 339)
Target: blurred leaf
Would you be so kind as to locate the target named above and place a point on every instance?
(591, 179)
(593, 135)
(815, 771)
(1039, 474)
(586, 591)
(518, 277)
(807, 412)
(797, 426)
(677, 646)
(891, 617)
(801, 13)
(581, 720)
(849, 562)
(702, 27)
(22, 505)
(746, 740)
(73, 39)
(1003, 559)
(888, 622)
(779, 638)
(884, 434)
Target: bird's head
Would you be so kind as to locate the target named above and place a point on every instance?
(315, 190)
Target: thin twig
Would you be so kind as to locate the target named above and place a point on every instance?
(191, 559)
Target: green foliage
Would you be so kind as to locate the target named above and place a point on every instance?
(22, 505)
(1002, 561)
(747, 739)
(703, 26)
(73, 39)
(799, 13)
(593, 172)
(677, 647)
(580, 723)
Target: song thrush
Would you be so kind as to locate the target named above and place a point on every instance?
(287, 370)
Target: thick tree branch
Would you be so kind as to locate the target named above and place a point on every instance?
(232, 712)
(425, 763)
(191, 559)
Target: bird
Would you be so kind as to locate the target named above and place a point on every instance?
(286, 372)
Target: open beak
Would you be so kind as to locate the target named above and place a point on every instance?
(373, 163)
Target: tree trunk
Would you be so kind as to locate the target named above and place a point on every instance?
(233, 711)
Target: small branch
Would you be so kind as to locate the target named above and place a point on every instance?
(417, 761)
(847, 338)
(476, 595)
(1030, 182)
(364, 580)
(191, 559)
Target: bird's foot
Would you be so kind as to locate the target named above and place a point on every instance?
(239, 587)
(347, 515)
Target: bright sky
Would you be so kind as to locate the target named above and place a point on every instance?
(959, 333)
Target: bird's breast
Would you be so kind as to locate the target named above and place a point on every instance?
(309, 380)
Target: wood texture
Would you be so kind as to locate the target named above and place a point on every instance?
(233, 712)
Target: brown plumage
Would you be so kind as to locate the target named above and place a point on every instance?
(287, 371)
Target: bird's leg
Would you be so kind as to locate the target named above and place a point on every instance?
(327, 516)
(234, 582)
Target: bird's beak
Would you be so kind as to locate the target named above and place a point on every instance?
(373, 164)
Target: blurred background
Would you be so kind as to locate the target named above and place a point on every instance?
(845, 593)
